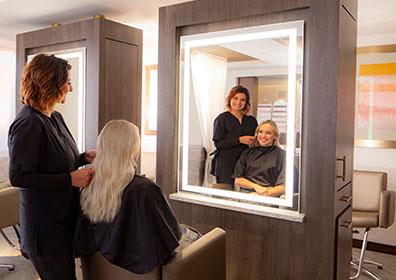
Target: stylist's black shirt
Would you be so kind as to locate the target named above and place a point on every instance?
(42, 155)
(226, 132)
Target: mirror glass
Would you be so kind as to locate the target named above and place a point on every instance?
(219, 152)
(73, 110)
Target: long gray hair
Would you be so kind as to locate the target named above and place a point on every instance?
(118, 146)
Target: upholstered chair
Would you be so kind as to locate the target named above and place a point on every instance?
(203, 259)
(373, 206)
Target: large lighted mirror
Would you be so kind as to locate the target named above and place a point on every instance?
(73, 110)
(264, 167)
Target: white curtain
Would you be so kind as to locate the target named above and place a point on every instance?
(209, 80)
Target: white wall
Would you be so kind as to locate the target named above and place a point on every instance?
(7, 96)
(148, 142)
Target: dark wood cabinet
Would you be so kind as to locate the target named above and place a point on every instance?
(113, 67)
(345, 136)
(344, 244)
(346, 95)
(262, 247)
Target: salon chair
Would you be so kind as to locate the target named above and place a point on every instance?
(203, 259)
(373, 206)
(9, 214)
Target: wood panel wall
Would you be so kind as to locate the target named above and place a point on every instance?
(261, 247)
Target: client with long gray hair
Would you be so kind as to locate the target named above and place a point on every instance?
(125, 216)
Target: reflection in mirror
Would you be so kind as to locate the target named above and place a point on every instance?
(221, 152)
(73, 110)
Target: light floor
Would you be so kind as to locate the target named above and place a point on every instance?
(24, 270)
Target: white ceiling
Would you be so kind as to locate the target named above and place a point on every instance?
(376, 18)
(17, 16)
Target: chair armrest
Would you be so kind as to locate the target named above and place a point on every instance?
(387, 209)
(203, 259)
(9, 204)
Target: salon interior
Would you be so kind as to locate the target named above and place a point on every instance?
(323, 71)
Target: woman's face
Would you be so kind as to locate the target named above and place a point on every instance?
(65, 89)
(238, 102)
(266, 135)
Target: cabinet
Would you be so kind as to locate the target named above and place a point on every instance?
(346, 96)
(263, 247)
(345, 137)
(113, 68)
(344, 244)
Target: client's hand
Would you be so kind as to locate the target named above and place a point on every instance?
(82, 177)
(90, 155)
(261, 190)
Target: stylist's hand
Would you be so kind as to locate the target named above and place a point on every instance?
(82, 177)
(90, 156)
(247, 140)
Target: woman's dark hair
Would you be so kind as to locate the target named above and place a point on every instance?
(42, 80)
(234, 91)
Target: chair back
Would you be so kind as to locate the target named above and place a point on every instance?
(367, 188)
(203, 259)
(9, 205)
(96, 267)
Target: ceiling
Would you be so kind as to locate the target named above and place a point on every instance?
(376, 19)
(17, 16)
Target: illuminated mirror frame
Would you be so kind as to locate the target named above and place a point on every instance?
(80, 54)
(290, 30)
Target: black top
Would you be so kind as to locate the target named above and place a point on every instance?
(143, 234)
(226, 132)
(262, 165)
(42, 155)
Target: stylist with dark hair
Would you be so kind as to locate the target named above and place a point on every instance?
(233, 132)
(43, 163)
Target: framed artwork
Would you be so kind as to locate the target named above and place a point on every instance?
(150, 100)
(376, 97)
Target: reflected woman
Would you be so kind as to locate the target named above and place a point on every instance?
(233, 132)
(261, 169)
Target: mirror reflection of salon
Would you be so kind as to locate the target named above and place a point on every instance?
(265, 61)
(261, 169)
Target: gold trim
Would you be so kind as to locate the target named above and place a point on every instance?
(377, 49)
(98, 16)
(387, 144)
(148, 70)
(55, 25)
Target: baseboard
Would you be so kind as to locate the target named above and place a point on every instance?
(377, 247)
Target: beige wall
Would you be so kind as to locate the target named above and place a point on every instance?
(148, 164)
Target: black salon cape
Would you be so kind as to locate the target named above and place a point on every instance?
(226, 132)
(143, 234)
(42, 155)
(262, 165)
